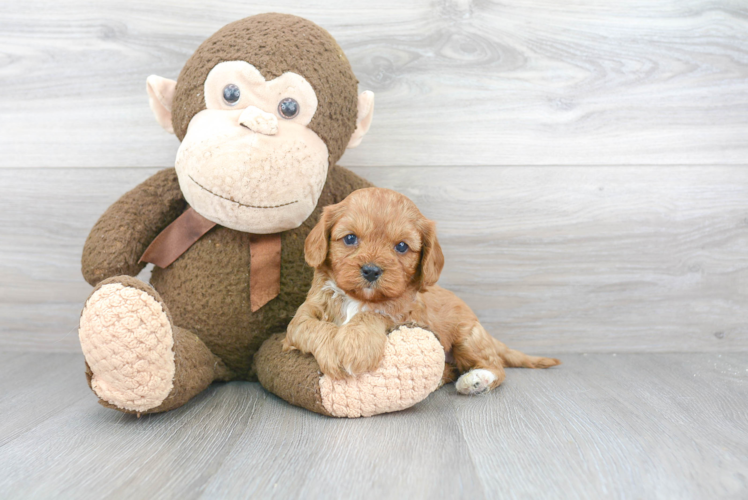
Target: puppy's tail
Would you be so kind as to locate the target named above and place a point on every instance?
(517, 359)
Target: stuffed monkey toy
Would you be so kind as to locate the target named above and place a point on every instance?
(263, 109)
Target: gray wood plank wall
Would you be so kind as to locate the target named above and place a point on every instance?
(585, 162)
(536, 82)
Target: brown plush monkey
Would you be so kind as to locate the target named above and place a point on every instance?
(264, 109)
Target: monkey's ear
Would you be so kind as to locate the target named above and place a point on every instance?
(363, 120)
(432, 258)
(160, 97)
(318, 241)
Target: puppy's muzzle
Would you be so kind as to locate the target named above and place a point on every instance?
(371, 272)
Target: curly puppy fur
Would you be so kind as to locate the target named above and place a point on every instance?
(377, 260)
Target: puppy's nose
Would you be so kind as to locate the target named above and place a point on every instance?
(371, 273)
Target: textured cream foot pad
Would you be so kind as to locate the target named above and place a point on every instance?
(127, 340)
(412, 368)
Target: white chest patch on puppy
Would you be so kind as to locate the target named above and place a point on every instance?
(349, 307)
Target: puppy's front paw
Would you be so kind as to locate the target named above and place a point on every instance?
(286, 346)
(359, 350)
(475, 382)
(329, 364)
(410, 370)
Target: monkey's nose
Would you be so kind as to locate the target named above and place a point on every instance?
(258, 121)
(371, 273)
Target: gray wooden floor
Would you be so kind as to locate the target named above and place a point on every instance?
(599, 426)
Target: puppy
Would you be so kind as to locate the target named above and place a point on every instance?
(377, 261)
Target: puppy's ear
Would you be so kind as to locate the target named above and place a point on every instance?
(318, 241)
(432, 258)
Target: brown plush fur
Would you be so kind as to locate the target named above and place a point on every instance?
(275, 44)
(290, 376)
(128, 226)
(207, 288)
(206, 291)
(405, 291)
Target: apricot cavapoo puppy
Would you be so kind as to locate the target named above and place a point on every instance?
(377, 261)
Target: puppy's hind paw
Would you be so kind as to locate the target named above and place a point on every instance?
(475, 382)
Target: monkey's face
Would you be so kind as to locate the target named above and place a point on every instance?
(248, 161)
(263, 108)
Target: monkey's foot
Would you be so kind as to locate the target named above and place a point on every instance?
(128, 342)
(411, 369)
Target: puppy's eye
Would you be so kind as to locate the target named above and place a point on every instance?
(288, 108)
(401, 247)
(350, 239)
(231, 94)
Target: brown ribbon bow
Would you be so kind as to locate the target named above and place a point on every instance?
(264, 254)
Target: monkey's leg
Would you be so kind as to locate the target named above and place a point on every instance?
(136, 360)
(411, 369)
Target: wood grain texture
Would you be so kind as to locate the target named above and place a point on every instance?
(566, 259)
(599, 426)
(607, 426)
(458, 82)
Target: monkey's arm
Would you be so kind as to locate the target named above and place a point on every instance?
(125, 230)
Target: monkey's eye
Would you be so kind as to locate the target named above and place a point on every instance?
(288, 108)
(231, 94)
(350, 239)
(401, 247)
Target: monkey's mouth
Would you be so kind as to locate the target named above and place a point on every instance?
(238, 203)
